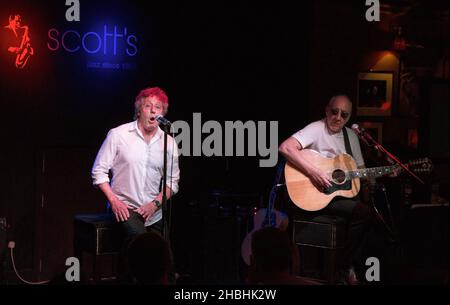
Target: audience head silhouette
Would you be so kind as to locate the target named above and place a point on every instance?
(275, 259)
(271, 250)
(149, 259)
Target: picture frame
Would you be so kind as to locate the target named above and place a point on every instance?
(375, 129)
(374, 93)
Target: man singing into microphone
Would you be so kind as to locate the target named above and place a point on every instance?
(328, 137)
(134, 153)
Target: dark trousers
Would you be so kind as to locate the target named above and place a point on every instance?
(359, 219)
(133, 227)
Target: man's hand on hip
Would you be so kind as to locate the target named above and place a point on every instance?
(120, 209)
(147, 210)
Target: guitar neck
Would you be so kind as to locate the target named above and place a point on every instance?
(372, 172)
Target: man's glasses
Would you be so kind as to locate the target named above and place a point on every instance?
(344, 114)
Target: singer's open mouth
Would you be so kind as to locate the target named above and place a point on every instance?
(152, 119)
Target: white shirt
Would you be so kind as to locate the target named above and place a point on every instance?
(316, 136)
(136, 167)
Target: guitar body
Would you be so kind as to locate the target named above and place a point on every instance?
(280, 221)
(306, 196)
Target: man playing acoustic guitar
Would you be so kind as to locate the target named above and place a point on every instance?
(327, 137)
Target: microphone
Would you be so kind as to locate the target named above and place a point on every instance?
(356, 129)
(162, 120)
(362, 134)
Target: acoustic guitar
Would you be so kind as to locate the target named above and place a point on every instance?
(265, 217)
(344, 174)
(268, 217)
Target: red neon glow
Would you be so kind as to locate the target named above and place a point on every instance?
(413, 138)
(20, 41)
(385, 105)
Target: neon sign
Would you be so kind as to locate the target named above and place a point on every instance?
(104, 42)
(20, 40)
(106, 46)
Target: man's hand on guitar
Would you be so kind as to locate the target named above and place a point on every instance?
(396, 171)
(304, 184)
(320, 180)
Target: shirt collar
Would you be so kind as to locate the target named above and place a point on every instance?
(133, 126)
(157, 136)
(339, 134)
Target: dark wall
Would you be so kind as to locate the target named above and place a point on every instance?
(228, 60)
(344, 43)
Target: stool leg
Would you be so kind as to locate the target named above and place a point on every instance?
(77, 249)
(96, 275)
(332, 266)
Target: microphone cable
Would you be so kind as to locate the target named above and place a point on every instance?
(11, 246)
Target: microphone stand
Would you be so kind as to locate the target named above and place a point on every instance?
(396, 246)
(164, 209)
(166, 228)
(372, 143)
(366, 137)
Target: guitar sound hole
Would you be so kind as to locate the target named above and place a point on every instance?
(338, 176)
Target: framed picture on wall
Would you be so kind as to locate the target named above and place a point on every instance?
(374, 95)
(375, 129)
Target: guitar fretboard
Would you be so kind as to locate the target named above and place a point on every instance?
(371, 172)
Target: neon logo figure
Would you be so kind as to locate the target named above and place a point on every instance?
(21, 41)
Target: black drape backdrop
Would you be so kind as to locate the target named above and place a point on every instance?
(229, 61)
